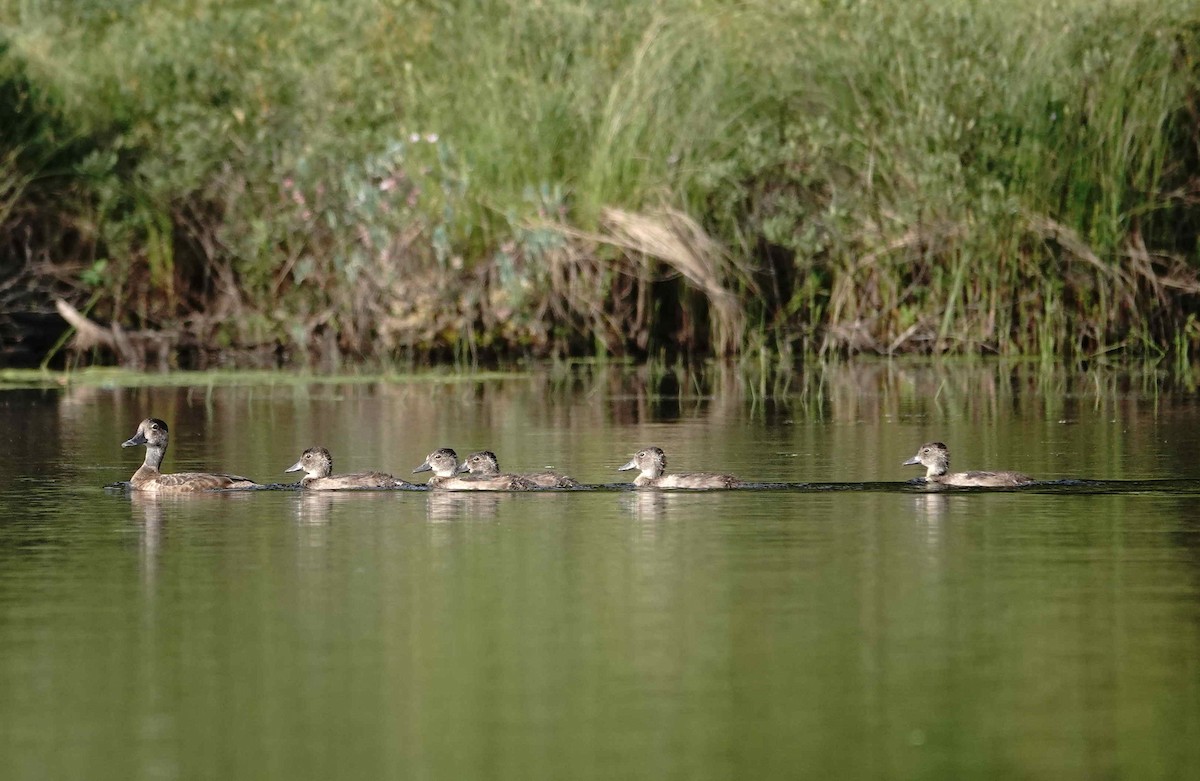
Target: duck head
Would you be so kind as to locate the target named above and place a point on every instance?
(442, 462)
(316, 462)
(651, 461)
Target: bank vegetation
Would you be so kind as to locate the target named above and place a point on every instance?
(316, 181)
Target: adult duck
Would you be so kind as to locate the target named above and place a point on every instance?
(153, 433)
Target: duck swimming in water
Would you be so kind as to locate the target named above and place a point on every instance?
(484, 464)
(652, 462)
(317, 464)
(935, 457)
(443, 462)
(152, 433)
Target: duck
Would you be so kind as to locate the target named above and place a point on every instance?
(935, 457)
(484, 464)
(652, 461)
(153, 433)
(317, 464)
(443, 462)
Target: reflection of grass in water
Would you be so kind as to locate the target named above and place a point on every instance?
(808, 390)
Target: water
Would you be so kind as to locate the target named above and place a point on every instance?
(819, 631)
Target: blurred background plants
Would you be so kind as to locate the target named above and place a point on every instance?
(314, 180)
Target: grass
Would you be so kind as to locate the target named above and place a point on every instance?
(111, 377)
(494, 180)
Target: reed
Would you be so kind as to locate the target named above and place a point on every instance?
(311, 182)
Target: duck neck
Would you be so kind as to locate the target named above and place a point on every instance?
(937, 469)
(652, 471)
(154, 457)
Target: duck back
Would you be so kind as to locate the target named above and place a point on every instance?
(354, 480)
(693, 480)
(498, 483)
(551, 480)
(186, 482)
(983, 479)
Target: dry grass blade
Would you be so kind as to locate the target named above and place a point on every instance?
(678, 241)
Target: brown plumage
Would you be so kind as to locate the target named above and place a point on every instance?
(152, 433)
(443, 462)
(935, 457)
(485, 464)
(652, 462)
(317, 464)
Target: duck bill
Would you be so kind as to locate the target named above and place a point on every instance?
(914, 461)
(631, 464)
(425, 467)
(462, 468)
(137, 439)
(296, 467)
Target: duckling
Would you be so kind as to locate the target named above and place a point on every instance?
(443, 462)
(935, 457)
(484, 464)
(152, 433)
(318, 467)
(652, 461)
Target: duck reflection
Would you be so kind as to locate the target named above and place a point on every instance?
(445, 506)
(150, 512)
(646, 505)
(146, 512)
(318, 508)
(312, 508)
(931, 510)
(930, 506)
(312, 511)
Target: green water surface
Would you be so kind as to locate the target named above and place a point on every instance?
(825, 629)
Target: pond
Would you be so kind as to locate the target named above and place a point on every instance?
(842, 622)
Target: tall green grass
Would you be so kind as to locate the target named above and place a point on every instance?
(383, 179)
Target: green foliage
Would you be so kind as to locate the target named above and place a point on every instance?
(958, 175)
